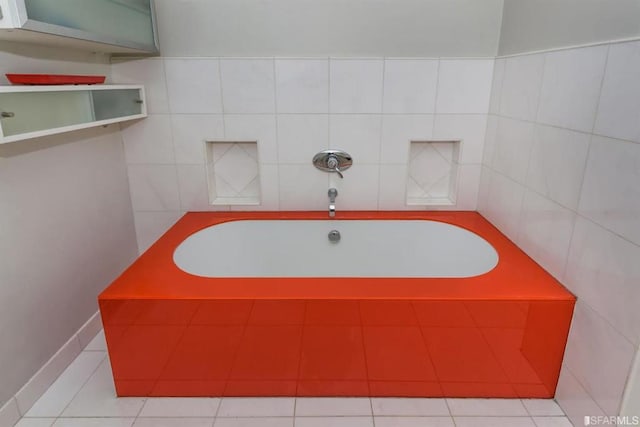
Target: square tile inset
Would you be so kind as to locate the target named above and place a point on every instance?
(233, 173)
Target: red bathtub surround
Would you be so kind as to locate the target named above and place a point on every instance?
(501, 334)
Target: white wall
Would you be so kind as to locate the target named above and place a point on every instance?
(66, 227)
(294, 108)
(294, 28)
(560, 176)
(532, 25)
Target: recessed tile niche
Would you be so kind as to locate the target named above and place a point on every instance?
(433, 171)
(233, 175)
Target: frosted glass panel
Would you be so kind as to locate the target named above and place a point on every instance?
(44, 110)
(126, 20)
(109, 104)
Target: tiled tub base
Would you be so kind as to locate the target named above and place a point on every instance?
(501, 334)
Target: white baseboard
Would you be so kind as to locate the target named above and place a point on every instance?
(42, 380)
(9, 414)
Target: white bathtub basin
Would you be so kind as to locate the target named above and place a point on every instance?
(367, 248)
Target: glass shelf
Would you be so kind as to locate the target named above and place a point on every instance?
(35, 111)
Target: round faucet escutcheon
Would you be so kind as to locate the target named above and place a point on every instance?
(334, 236)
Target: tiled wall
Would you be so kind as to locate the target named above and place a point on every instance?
(560, 177)
(294, 108)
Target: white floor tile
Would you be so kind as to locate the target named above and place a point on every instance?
(98, 343)
(334, 406)
(414, 422)
(58, 396)
(255, 422)
(256, 407)
(334, 422)
(486, 407)
(409, 407)
(94, 422)
(552, 422)
(179, 407)
(173, 422)
(494, 422)
(35, 422)
(542, 407)
(98, 398)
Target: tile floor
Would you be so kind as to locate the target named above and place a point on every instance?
(83, 396)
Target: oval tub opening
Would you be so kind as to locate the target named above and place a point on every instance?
(366, 248)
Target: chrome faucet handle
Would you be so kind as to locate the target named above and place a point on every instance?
(334, 164)
(332, 193)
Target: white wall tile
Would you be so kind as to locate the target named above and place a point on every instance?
(149, 72)
(303, 187)
(154, 187)
(248, 85)
(504, 204)
(545, 232)
(302, 85)
(261, 128)
(193, 86)
(558, 160)
(470, 129)
(599, 357)
(512, 150)
(393, 188)
(603, 270)
(149, 140)
(410, 85)
(269, 191)
(496, 85)
(571, 87)
(358, 135)
(620, 99)
(397, 133)
(610, 193)
(521, 86)
(574, 399)
(301, 136)
(190, 131)
(483, 190)
(192, 184)
(468, 187)
(464, 86)
(355, 86)
(490, 139)
(359, 188)
(151, 225)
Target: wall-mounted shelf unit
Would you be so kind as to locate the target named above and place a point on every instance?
(35, 111)
(111, 26)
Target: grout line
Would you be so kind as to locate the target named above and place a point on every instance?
(105, 358)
